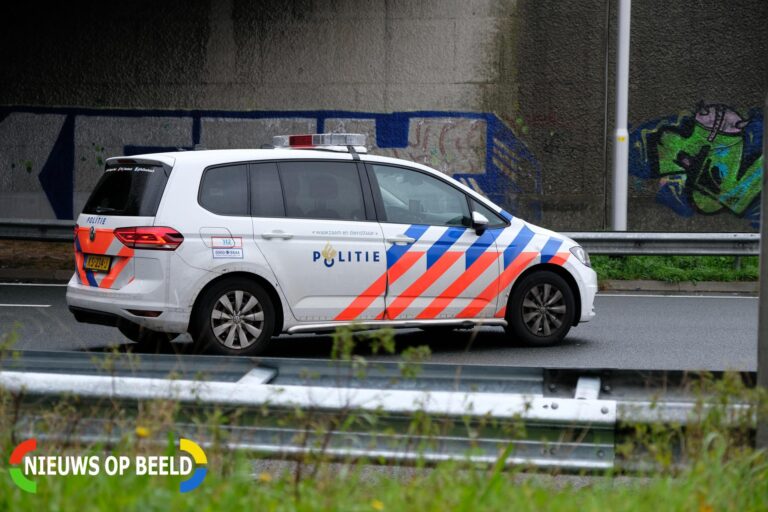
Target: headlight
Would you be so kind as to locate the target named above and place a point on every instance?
(581, 255)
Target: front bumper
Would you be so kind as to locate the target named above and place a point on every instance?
(586, 280)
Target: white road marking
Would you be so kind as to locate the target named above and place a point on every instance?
(25, 305)
(32, 284)
(658, 296)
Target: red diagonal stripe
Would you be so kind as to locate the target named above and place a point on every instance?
(402, 265)
(454, 289)
(365, 299)
(493, 289)
(104, 238)
(114, 273)
(560, 258)
(418, 287)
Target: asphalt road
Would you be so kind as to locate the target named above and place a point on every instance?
(630, 332)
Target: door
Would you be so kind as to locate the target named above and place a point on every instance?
(325, 246)
(438, 266)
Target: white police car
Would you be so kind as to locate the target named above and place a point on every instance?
(236, 246)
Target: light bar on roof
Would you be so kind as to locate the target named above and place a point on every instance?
(318, 140)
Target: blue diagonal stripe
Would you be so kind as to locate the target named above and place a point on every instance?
(91, 278)
(518, 244)
(480, 245)
(443, 244)
(396, 251)
(550, 249)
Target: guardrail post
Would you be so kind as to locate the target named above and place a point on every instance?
(762, 323)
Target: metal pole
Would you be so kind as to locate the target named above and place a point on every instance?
(621, 138)
(762, 318)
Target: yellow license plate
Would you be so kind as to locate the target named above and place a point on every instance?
(97, 263)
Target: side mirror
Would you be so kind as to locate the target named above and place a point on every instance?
(479, 222)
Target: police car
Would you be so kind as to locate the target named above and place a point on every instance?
(237, 246)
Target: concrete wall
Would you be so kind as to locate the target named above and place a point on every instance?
(512, 97)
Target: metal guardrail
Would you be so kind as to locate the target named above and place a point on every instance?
(618, 243)
(37, 230)
(568, 419)
(693, 244)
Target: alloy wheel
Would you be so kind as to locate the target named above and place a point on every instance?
(543, 309)
(237, 319)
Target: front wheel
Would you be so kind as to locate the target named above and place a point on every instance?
(235, 317)
(541, 310)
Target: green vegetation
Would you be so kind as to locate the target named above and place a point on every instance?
(714, 483)
(675, 269)
(719, 470)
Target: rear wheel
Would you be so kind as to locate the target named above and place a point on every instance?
(235, 317)
(541, 310)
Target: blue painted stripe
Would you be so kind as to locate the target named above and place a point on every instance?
(77, 244)
(396, 251)
(442, 245)
(518, 244)
(505, 214)
(480, 245)
(550, 249)
(91, 278)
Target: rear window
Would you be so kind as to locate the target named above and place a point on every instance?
(129, 190)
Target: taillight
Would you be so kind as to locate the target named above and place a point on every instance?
(150, 237)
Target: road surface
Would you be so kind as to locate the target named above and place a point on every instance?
(629, 332)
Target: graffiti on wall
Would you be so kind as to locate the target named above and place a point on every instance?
(50, 158)
(708, 161)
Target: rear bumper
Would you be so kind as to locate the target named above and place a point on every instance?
(89, 316)
(109, 307)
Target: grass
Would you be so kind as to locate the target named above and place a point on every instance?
(714, 483)
(675, 269)
(721, 471)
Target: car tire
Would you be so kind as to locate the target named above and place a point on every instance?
(235, 317)
(541, 310)
(146, 340)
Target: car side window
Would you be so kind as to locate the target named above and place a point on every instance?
(224, 190)
(494, 219)
(413, 197)
(322, 190)
(266, 193)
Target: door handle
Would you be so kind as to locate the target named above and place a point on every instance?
(401, 240)
(276, 234)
